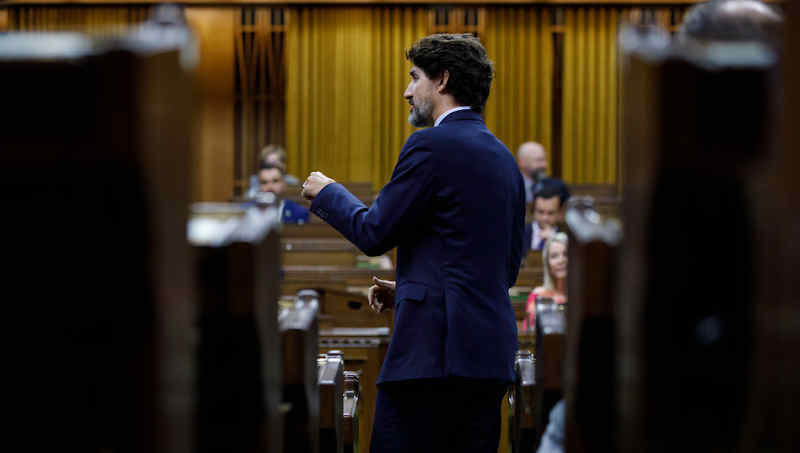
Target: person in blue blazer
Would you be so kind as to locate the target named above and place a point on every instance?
(455, 210)
(271, 179)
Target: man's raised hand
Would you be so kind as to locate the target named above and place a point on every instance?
(381, 294)
(315, 182)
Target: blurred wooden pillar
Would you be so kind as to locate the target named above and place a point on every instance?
(590, 391)
(776, 187)
(688, 294)
(213, 132)
(95, 152)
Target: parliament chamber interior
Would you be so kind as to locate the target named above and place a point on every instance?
(170, 303)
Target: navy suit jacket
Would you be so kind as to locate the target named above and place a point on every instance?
(293, 213)
(455, 210)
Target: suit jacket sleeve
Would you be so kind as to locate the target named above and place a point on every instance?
(517, 238)
(401, 205)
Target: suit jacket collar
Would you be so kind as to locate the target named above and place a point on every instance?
(462, 115)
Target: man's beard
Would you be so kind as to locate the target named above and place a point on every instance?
(421, 114)
(537, 173)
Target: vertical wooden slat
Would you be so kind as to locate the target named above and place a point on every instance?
(569, 93)
(613, 82)
(591, 146)
(544, 78)
(605, 103)
(265, 62)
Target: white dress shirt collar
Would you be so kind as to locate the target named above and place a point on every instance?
(444, 115)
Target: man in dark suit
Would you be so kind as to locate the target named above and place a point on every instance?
(271, 180)
(455, 209)
(549, 197)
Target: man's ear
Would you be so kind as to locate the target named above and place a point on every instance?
(443, 81)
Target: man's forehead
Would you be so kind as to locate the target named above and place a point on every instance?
(546, 202)
(532, 149)
(271, 173)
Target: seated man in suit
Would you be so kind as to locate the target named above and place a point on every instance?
(270, 180)
(274, 155)
(532, 161)
(549, 199)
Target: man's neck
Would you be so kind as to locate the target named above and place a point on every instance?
(444, 106)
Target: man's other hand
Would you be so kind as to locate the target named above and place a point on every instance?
(315, 182)
(381, 294)
(547, 231)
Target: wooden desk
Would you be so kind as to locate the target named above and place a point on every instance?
(363, 349)
(325, 251)
(318, 251)
(342, 277)
(310, 230)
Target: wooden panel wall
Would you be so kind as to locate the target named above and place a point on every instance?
(213, 156)
(589, 153)
(96, 20)
(519, 41)
(345, 114)
(3, 19)
(346, 72)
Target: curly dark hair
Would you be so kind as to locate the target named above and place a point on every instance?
(464, 58)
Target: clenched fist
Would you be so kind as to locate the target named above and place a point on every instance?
(315, 182)
(381, 294)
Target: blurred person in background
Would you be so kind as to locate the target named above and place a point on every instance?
(276, 156)
(554, 261)
(549, 200)
(271, 180)
(532, 162)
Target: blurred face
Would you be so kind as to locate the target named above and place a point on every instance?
(532, 159)
(546, 211)
(420, 94)
(271, 180)
(275, 159)
(557, 259)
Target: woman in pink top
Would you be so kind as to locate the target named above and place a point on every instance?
(554, 259)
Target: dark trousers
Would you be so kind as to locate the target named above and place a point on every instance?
(438, 416)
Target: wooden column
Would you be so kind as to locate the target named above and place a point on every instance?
(213, 131)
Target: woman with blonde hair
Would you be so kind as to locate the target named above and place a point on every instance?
(554, 260)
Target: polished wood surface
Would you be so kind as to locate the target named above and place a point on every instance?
(213, 138)
(85, 165)
(331, 400)
(590, 391)
(239, 370)
(677, 131)
(363, 351)
(775, 186)
(299, 339)
(343, 309)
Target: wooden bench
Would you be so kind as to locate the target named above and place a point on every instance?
(312, 230)
(327, 252)
(298, 277)
(313, 251)
(363, 350)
